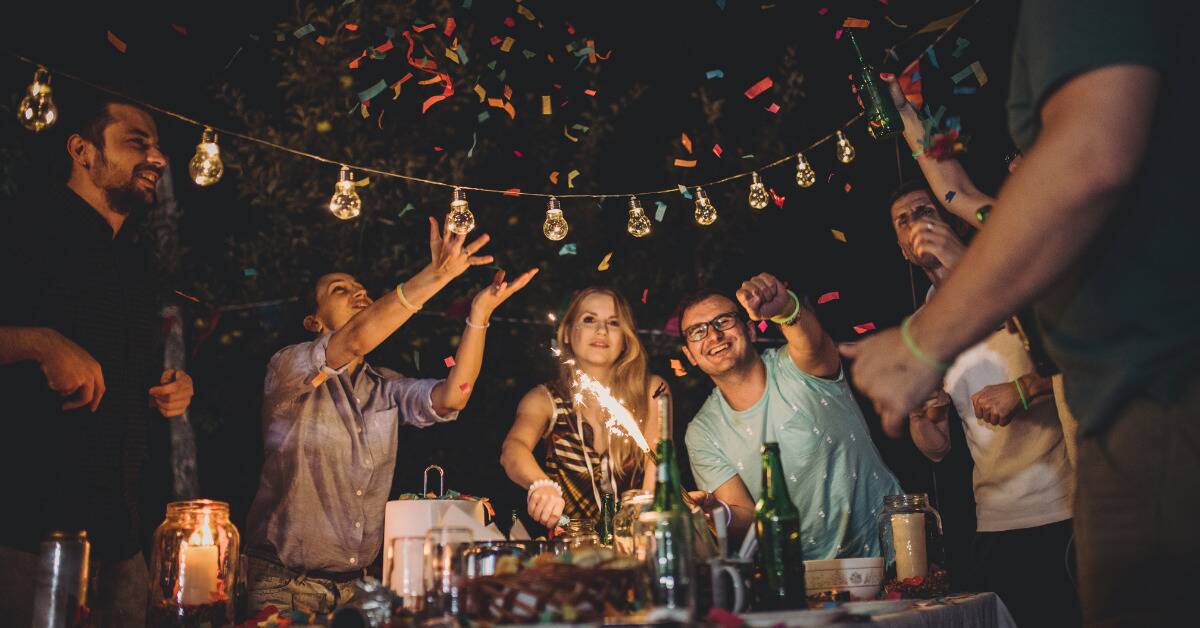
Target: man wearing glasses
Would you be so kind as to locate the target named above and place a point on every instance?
(795, 395)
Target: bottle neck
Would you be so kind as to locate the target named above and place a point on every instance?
(862, 60)
(774, 486)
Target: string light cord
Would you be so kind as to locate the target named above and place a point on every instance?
(504, 192)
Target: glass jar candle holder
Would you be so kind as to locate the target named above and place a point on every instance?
(633, 504)
(193, 567)
(910, 534)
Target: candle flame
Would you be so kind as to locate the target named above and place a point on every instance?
(203, 535)
(620, 419)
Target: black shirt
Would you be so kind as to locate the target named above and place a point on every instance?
(63, 269)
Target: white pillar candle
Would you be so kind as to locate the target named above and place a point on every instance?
(197, 574)
(908, 537)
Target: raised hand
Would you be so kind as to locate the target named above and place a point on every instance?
(894, 89)
(764, 296)
(936, 239)
(450, 257)
(888, 372)
(490, 298)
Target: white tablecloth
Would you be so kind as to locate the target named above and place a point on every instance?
(973, 610)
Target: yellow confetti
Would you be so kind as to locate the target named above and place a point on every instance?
(365, 114)
(554, 177)
(687, 143)
(571, 178)
(604, 263)
(324, 126)
(507, 44)
(529, 16)
(431, 80)
(363, 182)
(569, 136)
(838, 235)
(545, 105)
(481, 91)
(453, 56)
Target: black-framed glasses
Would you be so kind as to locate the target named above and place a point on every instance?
(723, 322)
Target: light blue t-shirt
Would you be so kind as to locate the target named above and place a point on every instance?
(833, 470)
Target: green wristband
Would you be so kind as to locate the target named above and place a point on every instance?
(790, 318)
(925, 358)
(1021, 392)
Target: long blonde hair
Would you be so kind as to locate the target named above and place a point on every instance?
(629, 379)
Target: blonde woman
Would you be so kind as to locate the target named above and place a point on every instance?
(583, 458)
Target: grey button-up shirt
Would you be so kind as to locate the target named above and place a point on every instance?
(330, 457)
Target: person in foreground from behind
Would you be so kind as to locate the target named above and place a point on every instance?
(795, 395)
(331, 428)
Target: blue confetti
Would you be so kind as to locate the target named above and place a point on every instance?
(407, 208)
(916, 76)
(372, 91)
(721, 4)
(949, 196)
(567, 249)
(249, 272)
(462, 54)
(484, 115)
(684, 191)
(304, 31)
(529, 54)
(712, 74)
(933, 58)
(466, 4)
(662, 211)
(962, 45)
(965, 90)
(492, 64)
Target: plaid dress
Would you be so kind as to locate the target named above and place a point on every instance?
(567, 458)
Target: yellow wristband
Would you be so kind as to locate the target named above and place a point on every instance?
(404, 300)
(790, 318)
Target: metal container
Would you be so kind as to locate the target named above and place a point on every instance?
(60, 599)
(483, 557)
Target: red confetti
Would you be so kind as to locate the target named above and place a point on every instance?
(847, 188)
(773, 108)
(777, 198)
(570, 29)
(422, 29)
(464, 387)
(116, 42)
(321, 41)
(354, 27)
(449, 361)
(438, 149)
(510, 22)
(179, 29)
(829, 296)
(762, 326)
(449, 26)
(837, 34)
(822, 11)
(518, 153)
(687, 142)
(590, 92)
(645, 293)
(864, 328)
(495, 40)
(512, 192)
(759, 88)
(854, 22)
(385, 46)
(717, 150)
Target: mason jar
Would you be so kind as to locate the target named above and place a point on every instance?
(633, 503)
(193, 566)
(910, 535)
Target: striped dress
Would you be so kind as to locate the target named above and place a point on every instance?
(565, 462)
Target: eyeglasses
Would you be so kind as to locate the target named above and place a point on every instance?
(699, 331)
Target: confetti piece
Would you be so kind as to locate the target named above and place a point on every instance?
(321, 41)
(422, 29)
(120, 45)
(363, 182)
(590, 92)
(721, 4)
(407, 208)
(933, 59)
(512, 192)
(837, 34)
(526, 13)
(450, 25)
(779, 200)
(449, 361)
(510, 22)
(684, 191)
(714, 74)
(567, 249)
(962, 74)
(687, 142)
(944, 23)
(847, 188)
(717, 150)
(481, 92)
(854, 22)
(474, 139)
(762, 326)
(372, 91)
(864, 328)
(249, 272)
(483, 115)
(604, 263)
(677, 366)
(660, 212)
(179, 29)
(569, 136)
(773, 108)
(980, 75)
(838, 235)
(518, 154)
(581, 128)
(545, 105)
(645, 293)
(350, 26)
(759, 88)
(495, 40)
(950, 195)
(466, 4)
(822, 11)
(417, 359)
(453, 56)
(529, 54)
(685, 163)
(304, 31)
(464, 387)
(508, 44)
(829, 296)
(910, 84)
(508, 92)
(960, 45)
(500, 103)
(571, 178)
(554, 177)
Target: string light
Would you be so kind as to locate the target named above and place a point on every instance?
(638, 225)
(805, 175)
(845, 152)
(758, 193)
(345, 203)
(37, 110)
(460, 220)
(706, 213)
(555, 227)
(206, 167)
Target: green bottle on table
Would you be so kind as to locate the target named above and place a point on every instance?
(608, 510)
(883, 120)
(779, 569)
(673, 567)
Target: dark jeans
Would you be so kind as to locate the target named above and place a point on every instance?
(1030, 570)
(117, 590)
(1137, 514)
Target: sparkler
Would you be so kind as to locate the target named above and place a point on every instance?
(620, 420)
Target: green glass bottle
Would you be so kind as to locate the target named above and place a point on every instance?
(672, 563)
(883, 120)
(779, 572)
(608, 510)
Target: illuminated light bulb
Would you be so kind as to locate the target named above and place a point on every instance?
(555, 226)
(460, 220)
(805, 175)
(37, 110)
(845, 152)
(206, 167)
(638, 225)
(758, 193)
(706, 213)
(345, 203)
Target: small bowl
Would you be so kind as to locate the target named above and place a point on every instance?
(860, 577)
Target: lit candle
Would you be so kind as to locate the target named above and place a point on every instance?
(908, 536)
(198, 563)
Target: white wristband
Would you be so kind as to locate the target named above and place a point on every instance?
(536, 484)
(728, 512)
